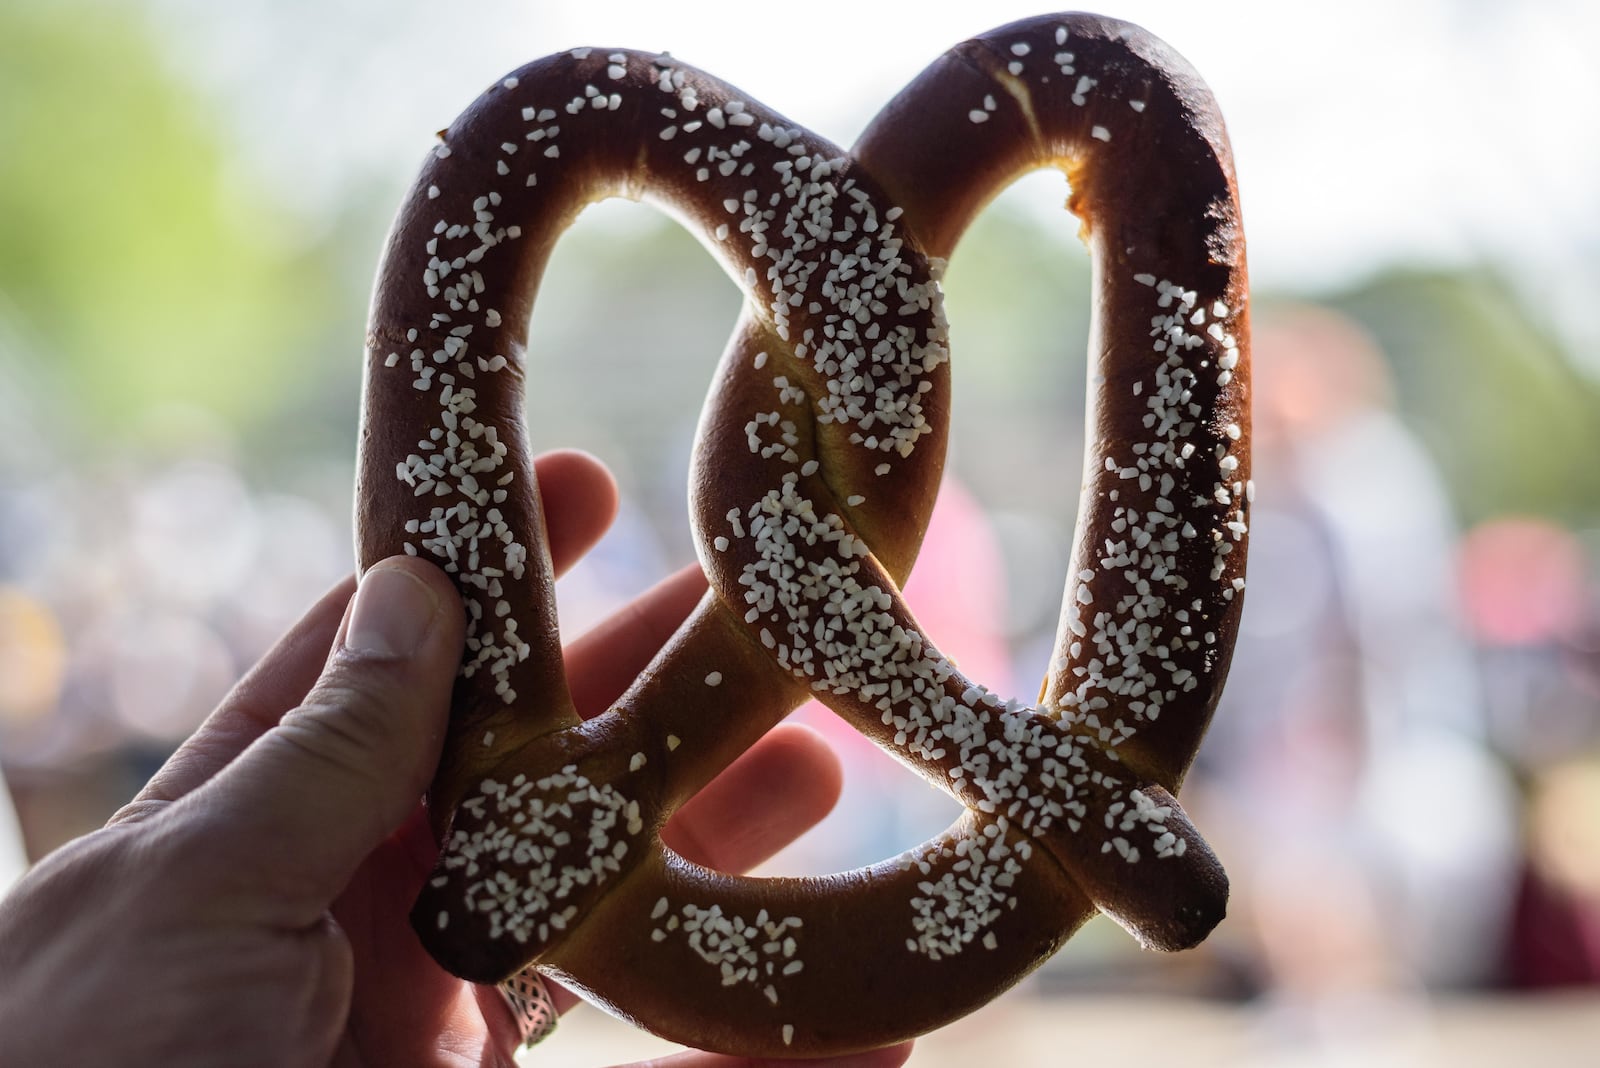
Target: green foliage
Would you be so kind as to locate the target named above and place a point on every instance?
(1513, 425)
(149, 273)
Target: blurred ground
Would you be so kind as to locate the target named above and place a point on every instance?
(1027, 1031)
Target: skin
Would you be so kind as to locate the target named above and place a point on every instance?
(249, 907)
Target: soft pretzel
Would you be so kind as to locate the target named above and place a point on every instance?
(819, 453)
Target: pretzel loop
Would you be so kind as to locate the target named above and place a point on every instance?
(818, 457)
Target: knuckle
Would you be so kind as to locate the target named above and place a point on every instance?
(345, 722)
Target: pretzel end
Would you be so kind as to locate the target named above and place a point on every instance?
(1192, 919)
(1173, 907)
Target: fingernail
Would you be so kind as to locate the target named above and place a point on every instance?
(392, 615)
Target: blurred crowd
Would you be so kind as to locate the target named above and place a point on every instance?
(1403, 777)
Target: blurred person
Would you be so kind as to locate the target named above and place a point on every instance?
(1376, 831)
(1556, 933)
(250, 905)
(1527, 595)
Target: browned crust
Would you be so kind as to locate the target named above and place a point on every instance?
(550, 825)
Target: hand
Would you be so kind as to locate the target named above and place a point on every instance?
(250, 905)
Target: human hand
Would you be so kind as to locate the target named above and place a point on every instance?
(250, 906)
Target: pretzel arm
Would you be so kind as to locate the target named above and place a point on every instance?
(1152, 599)
(757, 947)
(518, 764)
(447, 337)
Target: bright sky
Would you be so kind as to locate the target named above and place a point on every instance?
(1365, 132)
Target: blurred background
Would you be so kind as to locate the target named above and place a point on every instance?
(1404, 776)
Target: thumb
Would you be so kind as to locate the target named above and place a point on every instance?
(312, 797)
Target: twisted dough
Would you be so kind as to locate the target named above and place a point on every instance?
(819, 454)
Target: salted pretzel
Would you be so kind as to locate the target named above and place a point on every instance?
(819, 454)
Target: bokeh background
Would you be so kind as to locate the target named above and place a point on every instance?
(1404, 778)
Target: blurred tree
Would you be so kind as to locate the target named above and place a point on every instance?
(148, 272)
(1514, 426)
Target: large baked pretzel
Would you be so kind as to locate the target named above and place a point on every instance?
(819, 454)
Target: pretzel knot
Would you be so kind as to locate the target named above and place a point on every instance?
(819, 454)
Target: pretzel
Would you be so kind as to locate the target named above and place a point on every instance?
(819, 453)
